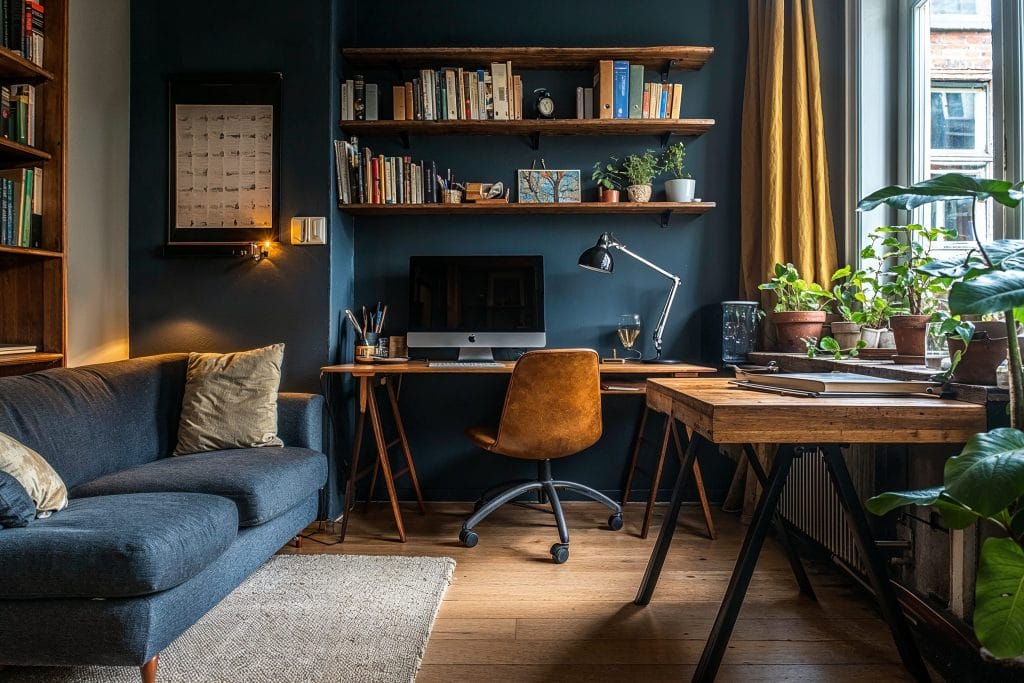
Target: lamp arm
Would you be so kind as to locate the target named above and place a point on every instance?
(622, 247)
(663, 318)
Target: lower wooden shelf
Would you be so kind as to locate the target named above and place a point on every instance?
(30, 251)
(25, 360)
(521, 208)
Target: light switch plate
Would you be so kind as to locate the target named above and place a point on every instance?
(309, 230)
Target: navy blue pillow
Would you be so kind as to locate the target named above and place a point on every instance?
(16, 506)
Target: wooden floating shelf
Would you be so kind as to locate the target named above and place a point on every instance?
(16, 69)
(30, 359)
(15, 153)
(665, 209)
(533, 127)
(661, 58)
(28, 251)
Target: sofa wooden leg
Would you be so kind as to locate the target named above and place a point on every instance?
(148, 670)
(298, 541)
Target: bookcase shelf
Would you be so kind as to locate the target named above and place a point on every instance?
(27, 251)
(16, 69)
(30, 359)
(660, 58)
(14, 154)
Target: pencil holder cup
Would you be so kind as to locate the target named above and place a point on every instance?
(365, 353)
(370, 339)
(451, 196)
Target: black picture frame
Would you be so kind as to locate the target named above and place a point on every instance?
(222, 89)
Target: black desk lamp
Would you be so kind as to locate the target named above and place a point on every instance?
(598, 259)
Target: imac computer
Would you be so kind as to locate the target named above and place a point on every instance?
(476, 303)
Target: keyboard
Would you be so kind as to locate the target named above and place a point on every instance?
(464, 364)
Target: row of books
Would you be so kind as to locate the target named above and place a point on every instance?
(359, 100)
(17, 113)
(21, 28)
(365, 178)
(456, 94)
(622, 93)
(21, 207)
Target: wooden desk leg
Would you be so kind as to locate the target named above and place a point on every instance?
(668, 526)
(635, 457)
(382, 458)
(781, 530)
(656, 478)
(698, 480)
(357, 446)
(877, 570)
(711, 658)
(393, 399)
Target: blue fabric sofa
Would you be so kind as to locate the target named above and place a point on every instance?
(149, 542)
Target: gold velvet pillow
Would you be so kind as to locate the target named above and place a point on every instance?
(42, 482)
(230, 400)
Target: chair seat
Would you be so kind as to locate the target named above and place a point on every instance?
(482, 436)
(262, 482)
(116, 546)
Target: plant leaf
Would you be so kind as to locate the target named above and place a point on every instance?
(886, 502)
(999, 598)
(990, 292)
(947, 187)
(988, 474)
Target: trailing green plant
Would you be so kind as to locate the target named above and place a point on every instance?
(641, 169)
(608, 174)
(793, 293)
(828, 346)
(673, 160)
(986, 480)
(901, 253)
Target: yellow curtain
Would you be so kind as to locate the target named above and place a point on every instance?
(786, 214)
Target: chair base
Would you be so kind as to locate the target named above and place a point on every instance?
(496, 497)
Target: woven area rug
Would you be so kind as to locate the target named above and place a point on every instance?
(300, 619)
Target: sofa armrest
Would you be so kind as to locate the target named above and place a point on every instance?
(300, 420)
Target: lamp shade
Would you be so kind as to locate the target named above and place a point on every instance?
(598, 258)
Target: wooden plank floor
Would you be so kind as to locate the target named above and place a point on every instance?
(511, 614)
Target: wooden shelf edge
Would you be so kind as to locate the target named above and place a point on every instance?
(689, 126)
(30, 359)
(29, 251)
(15, 68)
(18, 152)
(688, 208)
(659, 57)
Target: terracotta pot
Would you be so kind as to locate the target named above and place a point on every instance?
(639, 193)
(909, 331)
(846, 333)
(790, 326)
(983, 355)
(609, 196)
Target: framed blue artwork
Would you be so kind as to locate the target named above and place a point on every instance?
(548, 186)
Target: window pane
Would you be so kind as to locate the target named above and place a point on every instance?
(954, 6)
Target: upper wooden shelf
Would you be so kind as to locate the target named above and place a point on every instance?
(661, 58)
(30, 358)
(29, 251)
(16, 69)
(533, 127)
(16, 154)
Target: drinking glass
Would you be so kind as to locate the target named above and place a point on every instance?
(935, 349)
(739, 330)
(629, 332)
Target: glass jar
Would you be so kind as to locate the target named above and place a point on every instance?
(739, 330)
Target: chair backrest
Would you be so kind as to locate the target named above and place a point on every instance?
(553, 405)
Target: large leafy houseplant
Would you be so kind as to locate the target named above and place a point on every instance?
(902, 252)
(799, 312)
(986, 480)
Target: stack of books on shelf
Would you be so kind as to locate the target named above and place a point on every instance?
(21, 203)
(17, 113)
(17, 349)
(620, 92)
(457, 94)
(359, 100)
(365, 178)
(21, 28)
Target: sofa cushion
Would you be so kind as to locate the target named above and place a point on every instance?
(230, 400)
(263, 482)
(43, 484)
(92, 420)
(116, 546)
(16, 506)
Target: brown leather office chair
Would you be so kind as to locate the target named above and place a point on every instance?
(552, 410)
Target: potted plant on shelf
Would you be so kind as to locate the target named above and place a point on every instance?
(799, 311)
(608, 177)
(901, 251)
(986, 480)
(849, 297)
(680, 187)
(640, 170)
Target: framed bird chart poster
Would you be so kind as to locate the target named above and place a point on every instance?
(224, 158)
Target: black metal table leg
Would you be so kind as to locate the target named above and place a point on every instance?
(878, 573)
(782, 531)
(668, 525)
(714, 649)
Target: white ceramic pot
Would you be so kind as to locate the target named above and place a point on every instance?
(887, 340)
(639, 193)
(680, 189)
(870, 336)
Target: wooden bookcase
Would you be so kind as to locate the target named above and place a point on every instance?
(664, 59)
(33, 282)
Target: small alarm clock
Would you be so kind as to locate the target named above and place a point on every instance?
(544, 106)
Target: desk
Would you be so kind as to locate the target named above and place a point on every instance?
(721, 413)
(372, 375)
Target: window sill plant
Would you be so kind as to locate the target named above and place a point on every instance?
(640, 170)
(799, 311)
(680, 187)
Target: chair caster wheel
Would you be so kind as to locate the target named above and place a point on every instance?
(560, 552)
(468, 537)
(615, 521)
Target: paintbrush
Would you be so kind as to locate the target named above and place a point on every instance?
(355, 324)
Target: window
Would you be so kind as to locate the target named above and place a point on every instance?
(959, 118)
(958, 14)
